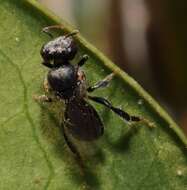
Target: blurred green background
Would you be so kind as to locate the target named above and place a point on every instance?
(147, 39)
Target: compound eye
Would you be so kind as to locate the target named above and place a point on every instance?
(42, 52)
(45, 53)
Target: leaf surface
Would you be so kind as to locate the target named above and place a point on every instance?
(33, 152)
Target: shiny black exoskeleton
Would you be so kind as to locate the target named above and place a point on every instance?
(63, 78)
(67, 82)
(59, 51)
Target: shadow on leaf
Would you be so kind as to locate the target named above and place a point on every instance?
(123, 143)
(82, 171)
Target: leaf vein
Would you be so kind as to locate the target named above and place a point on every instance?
(30, 120)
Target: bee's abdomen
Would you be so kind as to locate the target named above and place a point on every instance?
(82, 120)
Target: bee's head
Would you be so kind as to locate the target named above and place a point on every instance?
(61, 49)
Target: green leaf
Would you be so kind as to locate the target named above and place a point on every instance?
(33, 152)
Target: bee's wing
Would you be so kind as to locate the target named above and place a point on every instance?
(83, 121)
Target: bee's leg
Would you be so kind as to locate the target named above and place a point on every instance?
(124, 115)
(101, 84)
(83, 60)
(44, 97)
(70, 144)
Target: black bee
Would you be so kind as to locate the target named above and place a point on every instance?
(67, 82)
